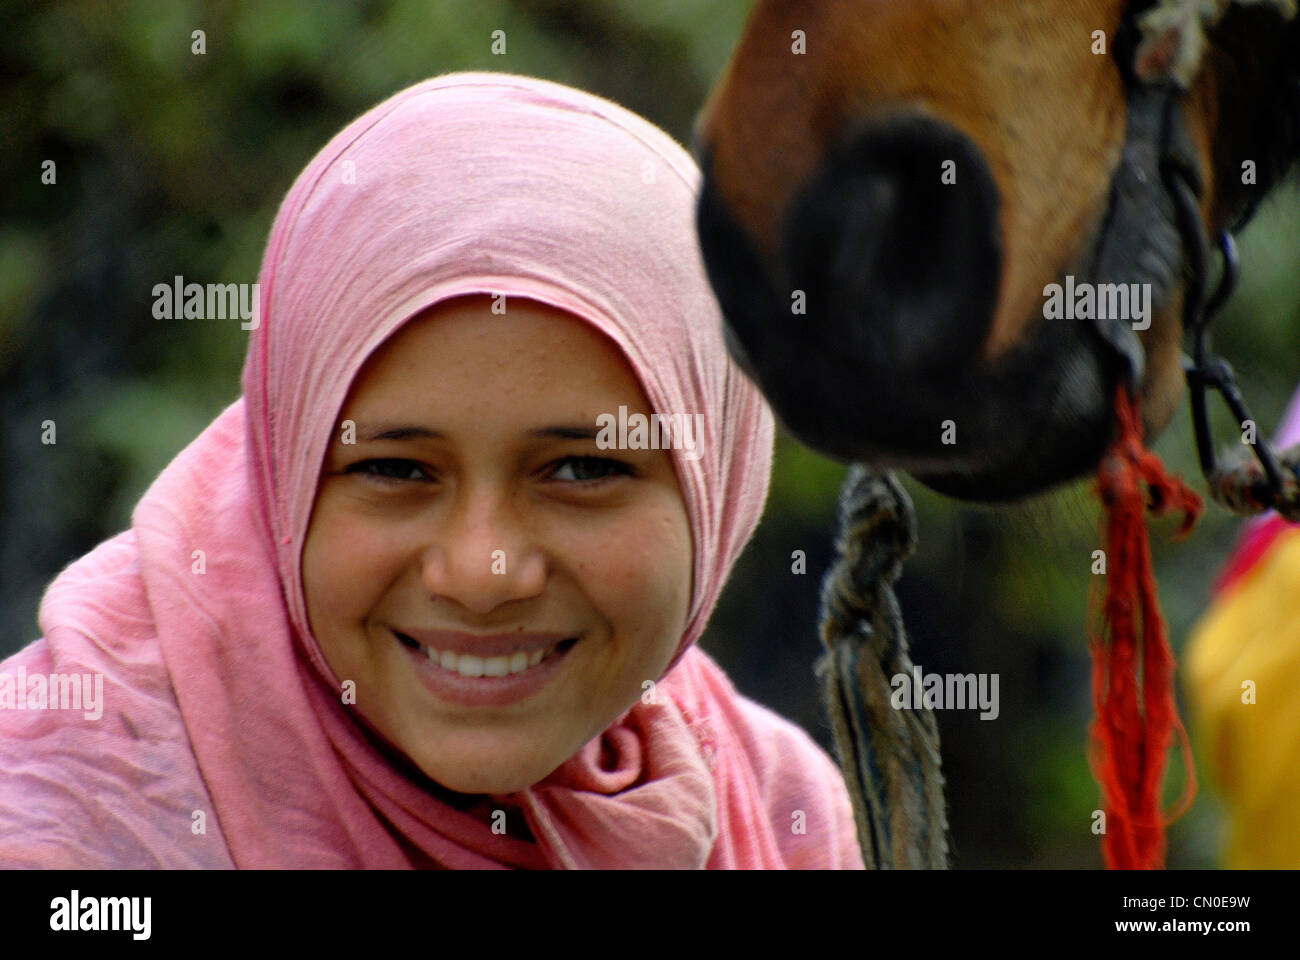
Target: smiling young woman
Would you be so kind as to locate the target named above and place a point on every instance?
(399, 605)
(471, 520)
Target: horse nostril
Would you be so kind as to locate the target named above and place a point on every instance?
(896, 243)
(862, 335)
(891, 270)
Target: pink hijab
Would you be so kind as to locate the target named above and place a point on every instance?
(223, 739)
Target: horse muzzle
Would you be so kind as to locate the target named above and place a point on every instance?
(882, 297)
(866, 333)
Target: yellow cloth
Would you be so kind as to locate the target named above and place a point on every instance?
(1252, 633)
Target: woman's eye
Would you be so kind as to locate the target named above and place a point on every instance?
(590, 470)
(394, 470)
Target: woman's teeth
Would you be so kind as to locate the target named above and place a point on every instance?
(468, 665)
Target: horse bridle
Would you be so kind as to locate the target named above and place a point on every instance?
(1159, 181)
(1203, 369)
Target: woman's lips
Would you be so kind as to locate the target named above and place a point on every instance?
(467, 679)
(485, 646)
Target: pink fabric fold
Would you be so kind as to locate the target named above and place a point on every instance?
(616, 802)
(222, 739)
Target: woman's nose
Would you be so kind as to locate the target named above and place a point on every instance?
(482, 555)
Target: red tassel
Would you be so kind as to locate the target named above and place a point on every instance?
(1130, 745)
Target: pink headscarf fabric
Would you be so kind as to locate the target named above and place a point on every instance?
(223, 739)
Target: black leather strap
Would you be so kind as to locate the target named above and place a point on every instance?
(1141, 242)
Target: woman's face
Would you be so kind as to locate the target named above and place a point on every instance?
(475, 515)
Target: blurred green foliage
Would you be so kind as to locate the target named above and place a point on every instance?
(173, 163)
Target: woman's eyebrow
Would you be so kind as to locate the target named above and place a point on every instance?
(401, 432)
(568, 433)
(411, 432)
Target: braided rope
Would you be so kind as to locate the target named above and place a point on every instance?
(890, 757)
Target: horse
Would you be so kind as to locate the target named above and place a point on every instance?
(947, 239)
(890, 188)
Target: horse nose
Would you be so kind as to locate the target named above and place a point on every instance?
(895, 244)
(891, 260)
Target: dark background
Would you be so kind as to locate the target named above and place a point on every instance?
(173, 163)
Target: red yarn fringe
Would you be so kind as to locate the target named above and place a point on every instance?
(1130, 744)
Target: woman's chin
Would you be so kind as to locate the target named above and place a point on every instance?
(470, 775)
(487, 786)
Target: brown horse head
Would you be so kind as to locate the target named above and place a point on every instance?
(896, 191)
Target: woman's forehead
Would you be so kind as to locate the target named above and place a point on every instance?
(503, 355)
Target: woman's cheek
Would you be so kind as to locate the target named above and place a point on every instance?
(667, 557)
(641, 580)
(347, 560)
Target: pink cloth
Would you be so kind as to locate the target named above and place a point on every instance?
(223, 740)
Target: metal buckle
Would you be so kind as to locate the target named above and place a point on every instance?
(1204, 369)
